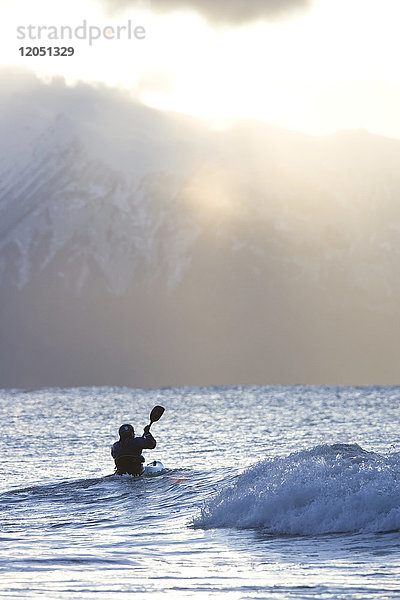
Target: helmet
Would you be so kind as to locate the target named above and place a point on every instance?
(126, 431)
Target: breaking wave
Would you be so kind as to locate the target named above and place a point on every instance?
(329, 489)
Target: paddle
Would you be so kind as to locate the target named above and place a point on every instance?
(156, 414)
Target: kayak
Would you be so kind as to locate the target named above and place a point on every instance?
(155, 466)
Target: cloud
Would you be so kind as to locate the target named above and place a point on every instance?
(235, 12)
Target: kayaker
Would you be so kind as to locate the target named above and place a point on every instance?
(127, 452)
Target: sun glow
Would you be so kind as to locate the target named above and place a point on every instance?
(319, 73)
(212, 193)
(334, 67)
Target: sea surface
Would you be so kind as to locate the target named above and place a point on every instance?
(268, 492)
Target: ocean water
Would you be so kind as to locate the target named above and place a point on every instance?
(268, 492)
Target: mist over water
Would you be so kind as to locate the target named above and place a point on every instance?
(267, 492)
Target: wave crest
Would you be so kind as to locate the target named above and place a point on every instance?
(328, 489)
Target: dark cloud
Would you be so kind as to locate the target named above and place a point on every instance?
(233, 12)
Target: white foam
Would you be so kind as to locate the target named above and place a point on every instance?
(328, 489)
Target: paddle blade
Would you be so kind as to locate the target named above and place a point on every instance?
(156, 413)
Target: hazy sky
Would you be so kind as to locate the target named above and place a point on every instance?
(316, 66)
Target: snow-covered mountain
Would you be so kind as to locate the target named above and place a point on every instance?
(144, 248)
(64, 201)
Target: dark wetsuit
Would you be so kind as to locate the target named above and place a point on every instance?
(128, 454)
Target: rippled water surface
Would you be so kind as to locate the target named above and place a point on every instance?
(267, 492)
